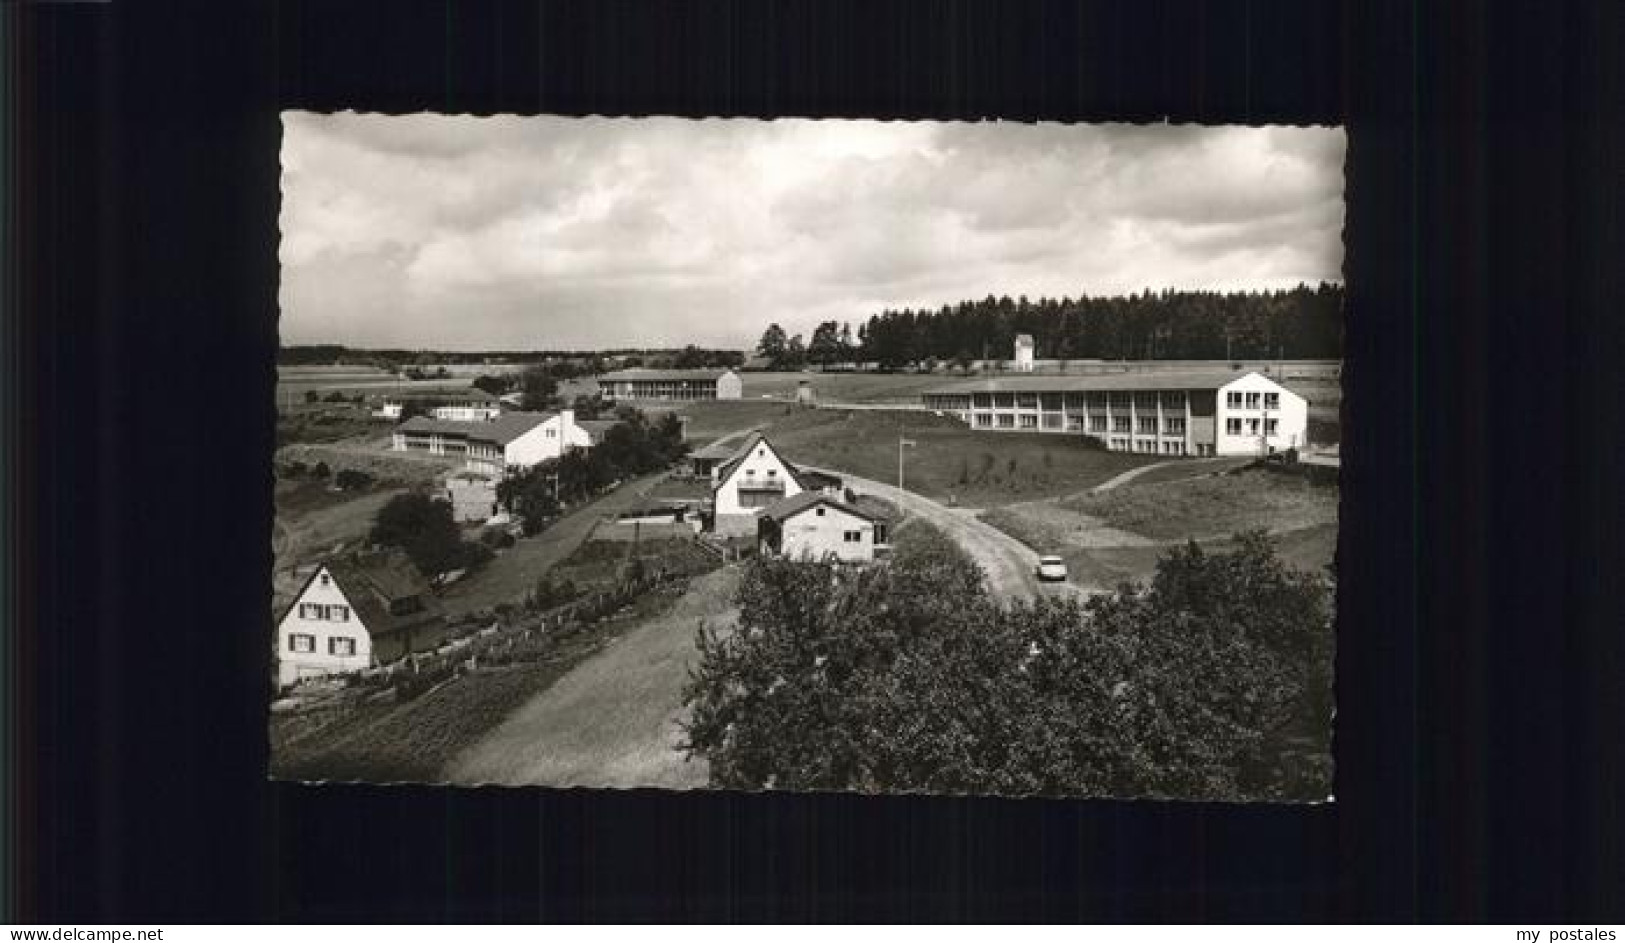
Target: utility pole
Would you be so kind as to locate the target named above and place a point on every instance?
(901, 443)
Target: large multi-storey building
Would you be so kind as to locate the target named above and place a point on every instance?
(1168, 413)
(672, 385)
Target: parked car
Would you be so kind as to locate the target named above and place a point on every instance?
(1051, 569)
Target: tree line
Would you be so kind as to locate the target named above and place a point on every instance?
(1302, 323)
(1212, 682)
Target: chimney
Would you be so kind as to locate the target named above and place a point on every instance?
(568, 419)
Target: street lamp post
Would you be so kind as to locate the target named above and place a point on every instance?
(901, 443)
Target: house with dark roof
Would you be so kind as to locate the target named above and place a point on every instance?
(670, 385)
(816, 526)
(509, 442)
(1160, 412)
(354, 613)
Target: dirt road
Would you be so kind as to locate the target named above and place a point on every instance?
(1008, 563)
(612, 721)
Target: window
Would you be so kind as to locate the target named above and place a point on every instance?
(1052, 420)
(819, 512)
(984, 420)
(301, 643)
(1232, 426)
(1119, 400)
(1148, 425)
(1232, 399)
(1120, 424)
(982, 400)
(338, 613)
(1272, 401)
(1173, 399)
(1252, 427)
(1074, 423)
(1269, 426)
(1029, 422)
(1004, 400)
(1145, 400)
(1027, 400)
(340, 645)
(1252, 400)
(853, 536)
(552, 433)
(1097, 423)
(1174, 426)
(772, 473)
(326, 580)
(1007, 422)
(1051, 400)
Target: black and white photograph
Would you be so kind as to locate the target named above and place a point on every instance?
(956, 458)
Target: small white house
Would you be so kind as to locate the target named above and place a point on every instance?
(756, 478)
(354, 613)
(816, 526)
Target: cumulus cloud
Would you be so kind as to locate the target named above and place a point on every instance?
(509, 232)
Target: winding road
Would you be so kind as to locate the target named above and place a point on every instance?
(1008, 563)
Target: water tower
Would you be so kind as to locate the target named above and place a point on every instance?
(1024, 353)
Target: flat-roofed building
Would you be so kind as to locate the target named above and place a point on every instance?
(670, 385)
(1174, 413)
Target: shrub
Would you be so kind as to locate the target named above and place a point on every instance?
(321, 471)
(350, 479)
(497, 538)
(292, 469)
(911, 677)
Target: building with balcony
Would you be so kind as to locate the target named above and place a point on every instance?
(679, 386)
(1174, 413)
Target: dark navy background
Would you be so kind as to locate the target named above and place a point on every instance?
(1479, 666)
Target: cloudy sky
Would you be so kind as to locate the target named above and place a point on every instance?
(535, 233)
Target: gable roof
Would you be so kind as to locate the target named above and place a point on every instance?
(1126, 382)
(500, 431)
(716, 451)
(451, 396)
(641, 373)
(790, 507)
(372, 581)
(753, 440)
(596, 428)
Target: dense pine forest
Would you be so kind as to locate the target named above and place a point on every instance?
(1303, 323)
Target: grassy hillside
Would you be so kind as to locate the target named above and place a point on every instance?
(949, 463)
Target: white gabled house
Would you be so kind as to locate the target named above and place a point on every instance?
(814, 525)
(756, 478)
(354, 613)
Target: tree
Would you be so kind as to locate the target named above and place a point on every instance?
(494, 385)
(537, 389)
(825, 347)
(773, 343)
(424, 529)
(912, 677)
(795, 353)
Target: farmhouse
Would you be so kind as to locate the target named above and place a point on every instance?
(1199, 413)
(508, 443)
(354, 613)
(673, 385)
(816, 526)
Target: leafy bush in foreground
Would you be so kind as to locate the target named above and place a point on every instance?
(911, 678)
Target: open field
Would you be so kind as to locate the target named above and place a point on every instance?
(949, 463)
(614, 720)
(846, 387)
(1207, 508)
(383, 740)
(1118, 536)
(713, 419)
